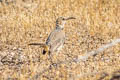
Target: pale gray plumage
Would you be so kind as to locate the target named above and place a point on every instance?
(56, 38)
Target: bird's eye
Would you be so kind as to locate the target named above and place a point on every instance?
(63, 18)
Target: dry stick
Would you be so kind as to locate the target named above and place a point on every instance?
(92, 53)
(81, 58)
(95, 52)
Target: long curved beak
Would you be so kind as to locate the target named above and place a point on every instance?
(70, 18)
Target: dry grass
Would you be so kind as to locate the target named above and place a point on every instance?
(26, 21)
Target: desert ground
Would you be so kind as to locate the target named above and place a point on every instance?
(97, 24)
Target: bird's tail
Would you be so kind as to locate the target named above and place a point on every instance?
(35, 44)
(45, 47)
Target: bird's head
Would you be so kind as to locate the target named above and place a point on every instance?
(60, 22)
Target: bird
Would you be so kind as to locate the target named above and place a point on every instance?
(56, 38)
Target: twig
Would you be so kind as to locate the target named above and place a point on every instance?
(95, 52)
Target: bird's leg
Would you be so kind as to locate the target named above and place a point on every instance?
(50, 58)
(52, 64)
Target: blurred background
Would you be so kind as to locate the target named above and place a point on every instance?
(31, 21)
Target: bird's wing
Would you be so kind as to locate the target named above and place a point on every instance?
(51, 37)
(56, 38)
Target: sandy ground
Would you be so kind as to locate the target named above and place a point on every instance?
(31, 21)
